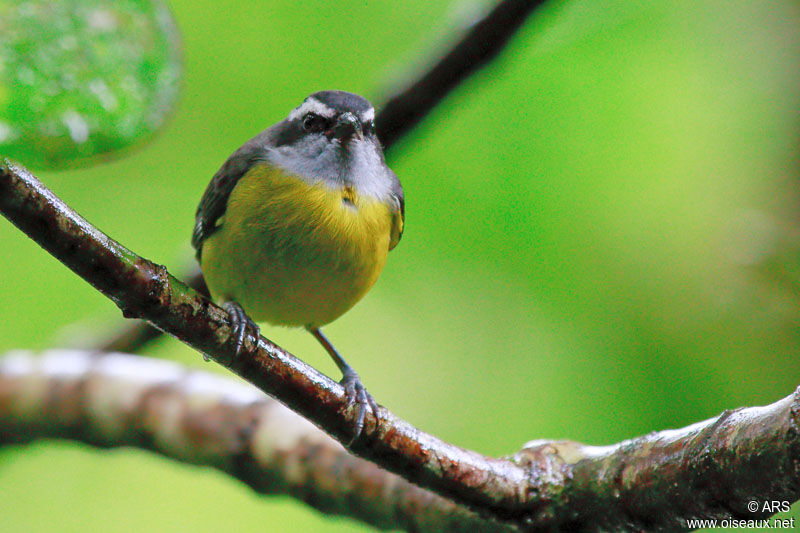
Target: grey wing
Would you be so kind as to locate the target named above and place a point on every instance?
(399, 222)
(215, 199)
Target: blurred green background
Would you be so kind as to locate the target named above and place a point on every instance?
(601, 235)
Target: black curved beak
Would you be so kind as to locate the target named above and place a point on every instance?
(347, 127)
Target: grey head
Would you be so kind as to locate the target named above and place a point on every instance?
(330, 138)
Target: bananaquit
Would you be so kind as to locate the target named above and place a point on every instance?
(296, 225)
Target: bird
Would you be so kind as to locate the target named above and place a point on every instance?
(296, 225)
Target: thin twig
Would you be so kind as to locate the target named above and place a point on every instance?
(482, 43)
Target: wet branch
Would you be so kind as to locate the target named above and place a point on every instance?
(711, 469)
(142, 289)
(133, 335)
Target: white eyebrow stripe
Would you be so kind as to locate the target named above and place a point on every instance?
(368, 115)
(312, 106)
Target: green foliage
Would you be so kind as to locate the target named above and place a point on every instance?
(83, 78)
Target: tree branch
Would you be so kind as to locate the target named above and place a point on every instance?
(114, 400)
(713, 469)
(142, 289)
(133, 335)
(656, 479)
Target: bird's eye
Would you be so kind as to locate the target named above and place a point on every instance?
(314, 123)
(369, 127)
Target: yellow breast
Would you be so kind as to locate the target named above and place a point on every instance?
(296, 254)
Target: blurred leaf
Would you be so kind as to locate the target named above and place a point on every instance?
(83, 78)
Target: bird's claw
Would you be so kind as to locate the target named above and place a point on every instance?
(357, 394)
(239, 324)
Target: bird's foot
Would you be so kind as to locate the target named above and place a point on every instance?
(239, 324)
(357, 394)
(354, 390)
